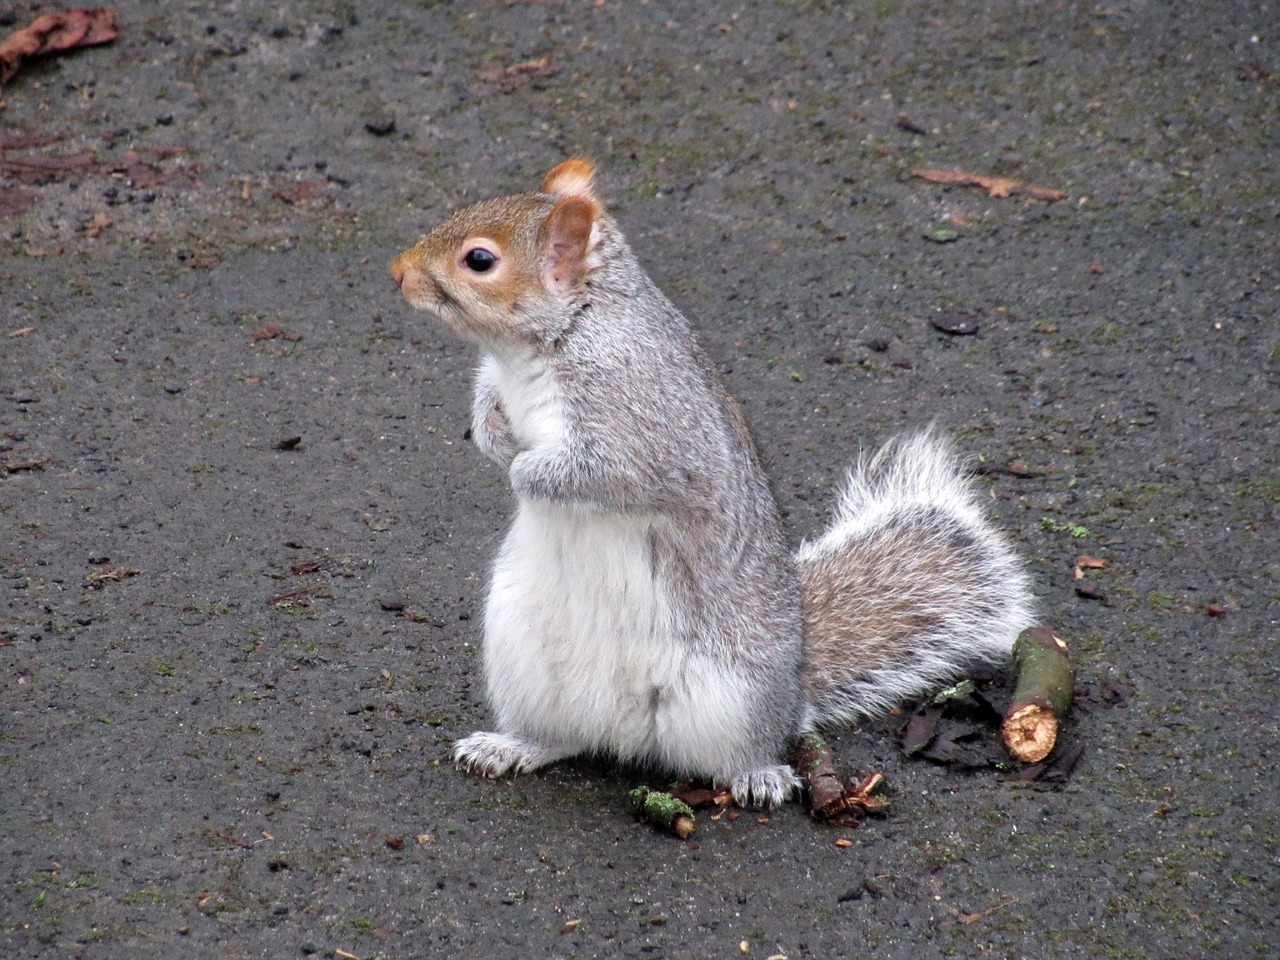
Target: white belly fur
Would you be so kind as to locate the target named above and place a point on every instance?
(578, 641)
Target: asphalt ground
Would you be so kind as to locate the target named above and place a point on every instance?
(245, 539)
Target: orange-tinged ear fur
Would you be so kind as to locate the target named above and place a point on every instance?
(573, 178)
(566, 236)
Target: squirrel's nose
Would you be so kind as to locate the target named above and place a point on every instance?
(397, 272)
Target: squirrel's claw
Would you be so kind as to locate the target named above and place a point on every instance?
(766, 787)
(494, 755)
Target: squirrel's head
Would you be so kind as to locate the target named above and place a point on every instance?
(505, 269)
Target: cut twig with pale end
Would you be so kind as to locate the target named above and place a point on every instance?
(1042, 698)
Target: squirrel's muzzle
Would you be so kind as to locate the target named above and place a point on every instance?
(398, 271)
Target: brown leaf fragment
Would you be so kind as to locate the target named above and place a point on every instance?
(537, 65)
(957, 321)
(22, 466)
(25, 141)
(15, 200)
(112, 575)
(1055, 769)
(35, 170)
(56, 33)
(860, 795)
(1085, 562)
(967, 918)
(921, 728)
(272, 332)
(699, 797)
(1249, 716)
(904, 123)
(1015, 469)
(962, 745)
(136, 172)
(298, 598)
(303, 193)
(93, 229)
(1256, 72)
(994, 186)
(1114, 695)
(517, 75)
(229, 837)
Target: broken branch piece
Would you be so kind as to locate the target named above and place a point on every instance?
(662, 810)
(1042, 698)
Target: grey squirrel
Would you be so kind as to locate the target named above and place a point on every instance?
(644, 603)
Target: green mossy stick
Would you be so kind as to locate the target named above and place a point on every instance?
(1042, 698)
(662, 810)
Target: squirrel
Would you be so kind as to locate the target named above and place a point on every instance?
(644, 603)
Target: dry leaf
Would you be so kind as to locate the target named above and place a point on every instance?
(55, 33)
(518, 74)
(303, 193)
(94, 228)
(112, 575)
(1085, 562)
(994, 186)
(33, 170)
(15, 200)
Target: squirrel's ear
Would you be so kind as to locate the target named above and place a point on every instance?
(567, 237)
(573, 178)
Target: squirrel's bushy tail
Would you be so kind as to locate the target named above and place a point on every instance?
(909, 587)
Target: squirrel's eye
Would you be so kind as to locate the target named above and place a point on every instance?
(479, 260)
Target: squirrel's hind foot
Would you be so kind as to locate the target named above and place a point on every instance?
(494, 755)
(766, 787)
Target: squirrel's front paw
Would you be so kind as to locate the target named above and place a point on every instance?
(766, 787)
(496, 754)
(491, 431)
